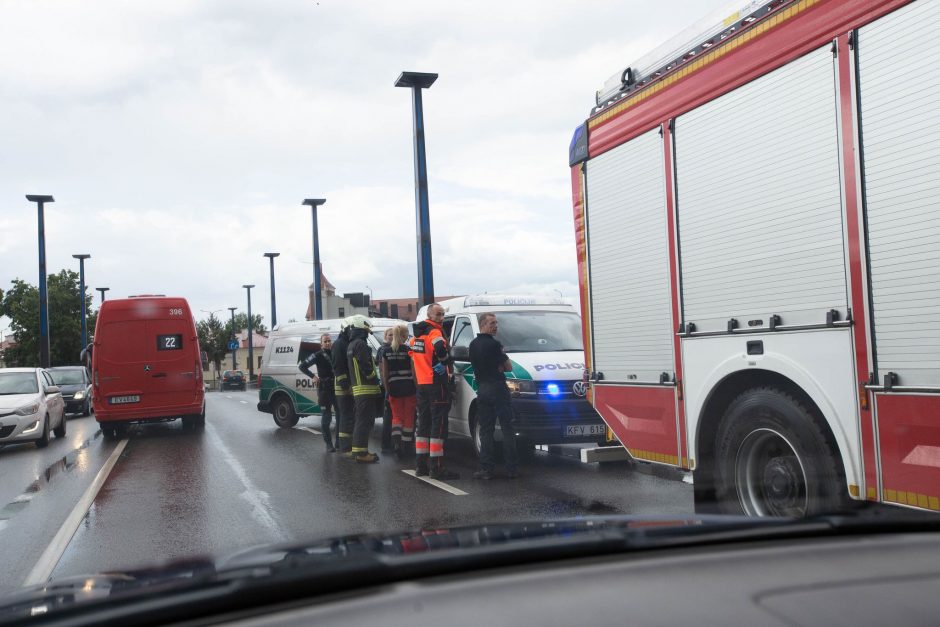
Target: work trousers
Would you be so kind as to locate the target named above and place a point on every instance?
(366, 409)
(327, 399)
(433, 407)
(346, 408)
(495, 403)
(403, 416)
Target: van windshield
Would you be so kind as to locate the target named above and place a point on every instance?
(539, 331)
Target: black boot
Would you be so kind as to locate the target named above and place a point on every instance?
(421, 465)
(440, 473)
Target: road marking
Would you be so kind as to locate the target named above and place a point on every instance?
(243, 402)
(53, 553)
(311, 430)
(228, 396)
(437, 484)
(258, 500)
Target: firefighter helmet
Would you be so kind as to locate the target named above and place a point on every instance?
(358, 321)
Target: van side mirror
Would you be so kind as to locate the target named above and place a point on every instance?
(460, 353)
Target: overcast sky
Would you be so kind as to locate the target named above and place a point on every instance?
(180, 137)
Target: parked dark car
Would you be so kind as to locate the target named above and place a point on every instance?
(75, 385)
(233, 379)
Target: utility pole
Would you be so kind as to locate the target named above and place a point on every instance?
(44, 359)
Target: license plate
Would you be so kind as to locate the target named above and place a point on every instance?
(119, 400)
(579, 430)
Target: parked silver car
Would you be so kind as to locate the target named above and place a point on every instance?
(30, 406)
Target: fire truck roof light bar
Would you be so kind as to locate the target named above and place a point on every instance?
(687, 45)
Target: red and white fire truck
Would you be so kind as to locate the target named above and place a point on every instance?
(757, 217)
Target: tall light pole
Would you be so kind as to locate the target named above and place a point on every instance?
(418, 81)
(271, 257)
(40, 201)
(317, 275)
(234, 350)
(81, 287)
(251, 352)
(369, 308)
(102, 290)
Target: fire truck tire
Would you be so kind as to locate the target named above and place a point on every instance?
(284, 415)
(772, 458)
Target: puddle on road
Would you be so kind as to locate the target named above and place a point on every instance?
(66, 464)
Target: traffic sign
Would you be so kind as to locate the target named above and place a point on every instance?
(233, 345)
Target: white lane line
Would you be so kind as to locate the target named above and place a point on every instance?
(228, 396)
(243, 402)
(311, 430)
(436, 483)
(258, 500)
(53, 553)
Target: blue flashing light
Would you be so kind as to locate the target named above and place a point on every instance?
(552, 389)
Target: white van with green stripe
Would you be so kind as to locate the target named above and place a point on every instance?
(542, 337)
(286, 392)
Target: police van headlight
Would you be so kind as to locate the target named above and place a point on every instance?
(522, 386)
(79, 395)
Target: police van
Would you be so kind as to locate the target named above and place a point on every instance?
(284, 391)
(542, 337)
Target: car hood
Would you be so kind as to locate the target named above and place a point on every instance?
(289, 572)
(12, 402)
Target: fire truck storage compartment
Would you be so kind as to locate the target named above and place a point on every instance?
(628, 252)
(899, 91)
(759, 201)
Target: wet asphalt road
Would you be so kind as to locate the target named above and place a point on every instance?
(244, 482)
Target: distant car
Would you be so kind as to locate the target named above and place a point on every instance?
(233, 379)
(75, 385)
(30, 406)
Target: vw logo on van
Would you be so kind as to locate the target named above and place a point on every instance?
(579, 388)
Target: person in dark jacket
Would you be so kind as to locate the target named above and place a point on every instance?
(344, 399)
(364, 382)
(324, 380)
(399, 380)
(494, 402)
(386, 407)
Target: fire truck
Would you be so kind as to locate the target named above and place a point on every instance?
(757, 220)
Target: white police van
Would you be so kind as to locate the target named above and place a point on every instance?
(542, 337)
(286, 392)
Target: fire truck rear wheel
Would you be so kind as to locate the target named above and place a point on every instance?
(284, 415)
(772, 458)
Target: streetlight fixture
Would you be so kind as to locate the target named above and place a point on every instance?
(44, 351)
(234, 350)
(271, 257)
(317, 275)
(251, 352)
(102, 290)
(369, 308)
(417, 81)
(81, 287)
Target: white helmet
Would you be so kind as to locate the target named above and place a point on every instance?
(357, 321)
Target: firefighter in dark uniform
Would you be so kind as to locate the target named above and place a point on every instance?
(344, 398)
(324, 380)
(494, 402)
(431, 359)
(364, 382)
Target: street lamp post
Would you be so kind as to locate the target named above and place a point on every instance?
(102, 290)
(271, 257)
(40, 201)
(81, 287)
(317, 275)
(369, 308)
(418, 81)
(234, 350)
(251, 352)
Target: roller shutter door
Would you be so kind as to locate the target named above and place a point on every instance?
(629, 263)
(900, 101)
(760, 201)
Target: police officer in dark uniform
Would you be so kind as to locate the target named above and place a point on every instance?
(324, 380)
(494, 402)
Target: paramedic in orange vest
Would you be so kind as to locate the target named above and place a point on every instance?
(430, 358)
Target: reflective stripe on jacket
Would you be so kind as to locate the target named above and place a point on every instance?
(363, 377)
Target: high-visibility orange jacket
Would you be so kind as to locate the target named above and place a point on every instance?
(428, 348)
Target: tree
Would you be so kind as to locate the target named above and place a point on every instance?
(213, 339)
(21, 305)
(241, 323)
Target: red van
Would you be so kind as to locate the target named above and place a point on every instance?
(146, 364)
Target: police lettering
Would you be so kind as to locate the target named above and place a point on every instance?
(304, 383)
(284, 349)
(568, 366)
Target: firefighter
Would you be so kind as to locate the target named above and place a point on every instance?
(364, 382)
(324, 380)
(430, 359)
(398, 378)
(344, 400)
